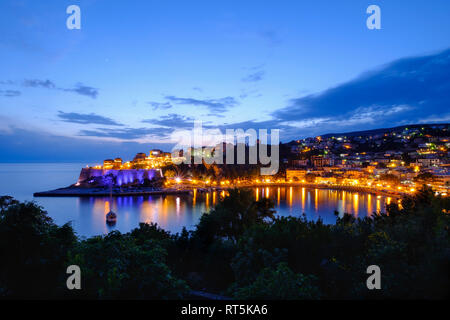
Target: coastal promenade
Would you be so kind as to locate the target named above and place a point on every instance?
(102, 192)
(351, 188)
(74, 191)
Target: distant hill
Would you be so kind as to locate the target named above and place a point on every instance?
(384, 130)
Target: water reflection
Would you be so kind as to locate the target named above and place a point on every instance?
(355, 204)
(173, 212)
(88, 214)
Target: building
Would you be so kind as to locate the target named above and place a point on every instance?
(295, 174)
(300, 162)
(117, 163)
(108, 164)
(319, 161)
(140, 160)
(325, 180)
(155, 153)
(428, 162)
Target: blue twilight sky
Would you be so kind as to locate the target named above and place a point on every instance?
(137, 70)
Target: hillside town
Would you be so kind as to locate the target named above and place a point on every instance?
(396, 160)
(400, 158)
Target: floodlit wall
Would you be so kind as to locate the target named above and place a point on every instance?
(121, 176)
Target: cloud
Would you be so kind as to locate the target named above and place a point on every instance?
(10, 93)
(436, 118)
(35, 83)
(215, 115)
(161, 128)
(359, 119)
(172, 121)
(79, 88)
(254, 77)
(214, 105)
(271, 37)
(84, 90)
(25, 145)
(8, 82)
(127, 133)
(253, 124)
(160, 105)
(254, 93)
(361, 116)
(91, 118)
(407, 89)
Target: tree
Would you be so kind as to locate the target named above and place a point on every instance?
(169, 173)
(233, 215)
(425, 177)
(280, 284)
(390, 178)
(240, 248)
(119, 266)
(310, 177)
(33, 251)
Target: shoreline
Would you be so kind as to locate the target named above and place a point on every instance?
(373, 191)
(100, 192)
(73, 191)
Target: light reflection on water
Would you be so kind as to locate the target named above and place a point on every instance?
(171, 212)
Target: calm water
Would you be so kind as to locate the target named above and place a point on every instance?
(170, 212)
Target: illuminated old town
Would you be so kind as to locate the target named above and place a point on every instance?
(392, 161)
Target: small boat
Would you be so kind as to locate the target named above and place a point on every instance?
(111, 217)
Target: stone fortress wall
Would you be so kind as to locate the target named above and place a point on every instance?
(123, 176)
